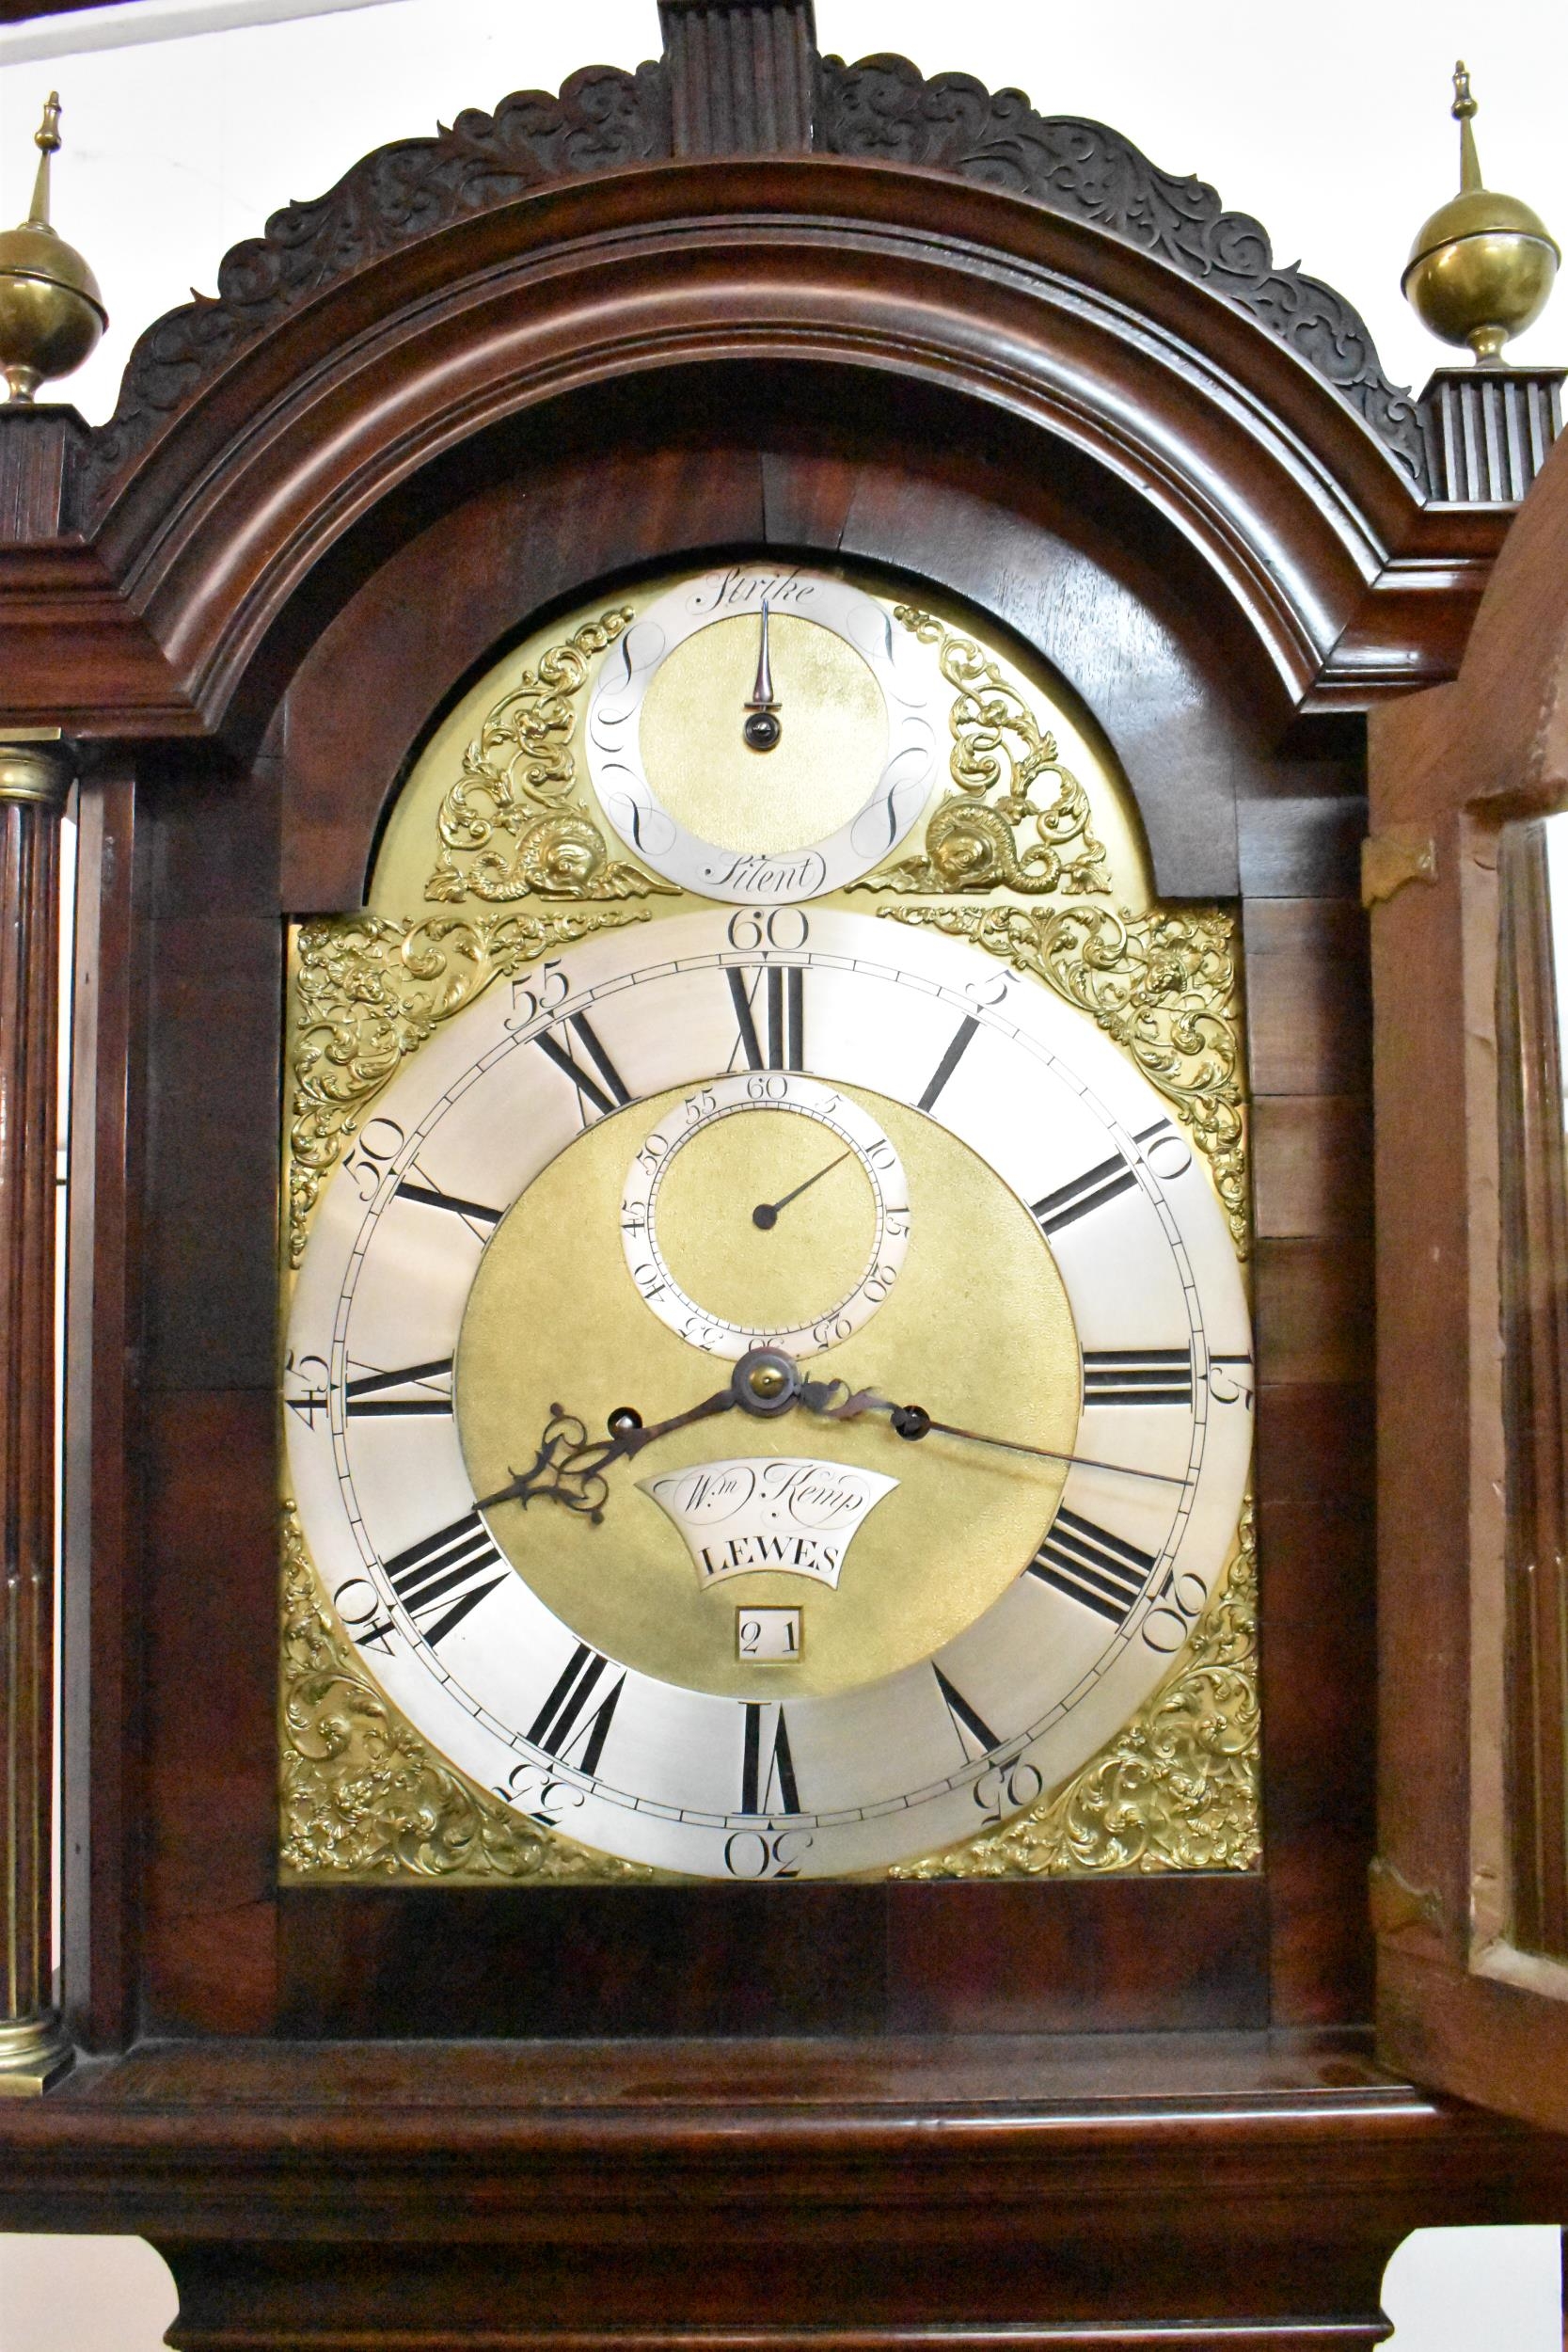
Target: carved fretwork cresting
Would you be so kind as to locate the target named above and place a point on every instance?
(512, 825)
(885, 110)
(603, 118)
(785, 98)
(1178, 1790)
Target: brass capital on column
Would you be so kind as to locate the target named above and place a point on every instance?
(36, 771)
(36, 766)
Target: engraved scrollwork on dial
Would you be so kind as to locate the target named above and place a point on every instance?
(509, 826)
(972, 843)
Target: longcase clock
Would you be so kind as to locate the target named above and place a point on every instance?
(720, 1650)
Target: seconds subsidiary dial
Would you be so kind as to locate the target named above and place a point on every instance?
(726, 1234)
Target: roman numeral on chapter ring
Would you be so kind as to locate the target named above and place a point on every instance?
(471, 1211)
(567, 1717)
(966, 1718)
(603, 1093)
(780, 1042)
(363, 1399)
(448, 1573)
(1138, 1375)
(1091, 1190)
(1091, 1566)
(766, 1765)
(963, 1036)
(1099, 1185)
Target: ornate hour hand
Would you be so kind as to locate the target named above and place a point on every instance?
(913, 1422)
(569, 1467)
(762, 726)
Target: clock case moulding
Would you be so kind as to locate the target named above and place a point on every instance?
(643, 327)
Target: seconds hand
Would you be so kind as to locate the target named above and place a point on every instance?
(765, 1215)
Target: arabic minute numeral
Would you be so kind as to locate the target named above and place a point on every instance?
(1007, 1788)
(1177, 1602)
(536, 1792)
(360, 1607)
(1231, 1380)
(1164, 1150)
(784, 929)
(312, 1370)
(754, 1853)
(365, 1166)
(546, 992)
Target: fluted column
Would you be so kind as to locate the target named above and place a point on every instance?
(34, 777)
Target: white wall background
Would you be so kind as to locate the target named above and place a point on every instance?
(1328, 122)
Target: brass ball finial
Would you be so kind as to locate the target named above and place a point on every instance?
(51, 311)
(1482, 267)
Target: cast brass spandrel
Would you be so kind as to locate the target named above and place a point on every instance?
(364, 1798)
(1165, 986)
(1176, 1789)
(1013, 842)
(367, 990)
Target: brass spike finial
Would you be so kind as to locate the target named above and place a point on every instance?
(51, 311)
(1463, 111)
(1482, 267)
(46, 138)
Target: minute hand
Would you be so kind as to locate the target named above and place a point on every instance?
(914, 1422)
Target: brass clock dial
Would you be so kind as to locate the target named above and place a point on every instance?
(770, 1388)
(1069, 1287)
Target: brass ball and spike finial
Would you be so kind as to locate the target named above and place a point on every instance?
(1482, 267)
(51, 311)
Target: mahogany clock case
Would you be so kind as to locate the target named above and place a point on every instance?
(327, 503)
(533, 516)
